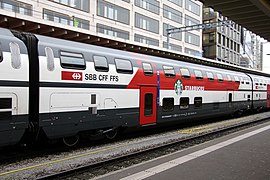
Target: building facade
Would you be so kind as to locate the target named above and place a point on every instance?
(221, 43)
(140, 22)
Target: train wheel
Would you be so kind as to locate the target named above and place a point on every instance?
(71, 141)
(112, 134)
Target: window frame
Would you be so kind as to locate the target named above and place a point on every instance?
(169, 68)
(145, 71)
(123, 71)
(70, 65)
(101, 68)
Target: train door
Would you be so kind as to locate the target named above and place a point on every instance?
(148, 105)
(268, 96)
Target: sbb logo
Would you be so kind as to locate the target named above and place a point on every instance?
(75, 76)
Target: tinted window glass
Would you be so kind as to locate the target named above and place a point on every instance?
(72, 60)
(198, 101)
(147, 69)
(148, 104)
(169, 71)
(15, 55)
(184, 103)
(168, 104)
(123, 66)
(101, 63)
(50, 58)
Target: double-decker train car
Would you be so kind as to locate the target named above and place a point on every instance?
(61, 89)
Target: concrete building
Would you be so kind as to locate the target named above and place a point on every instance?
(140, 22)
(221, 43)
(251, 50)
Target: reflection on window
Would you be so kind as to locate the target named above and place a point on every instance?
(147, 69)
(169, 71)
(123, 66)
(101, 63)
(210, 76)
(185, 73)
(72, 60)
(148, 104)
(198, 74)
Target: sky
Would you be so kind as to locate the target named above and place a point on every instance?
(266, 58)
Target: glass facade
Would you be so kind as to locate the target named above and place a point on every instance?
(78, 4)
(172, 14)
(146, 40)
(146, 23)
(108, 30)
(150, 5)
(17, 7)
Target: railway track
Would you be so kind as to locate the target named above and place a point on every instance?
(191, 137)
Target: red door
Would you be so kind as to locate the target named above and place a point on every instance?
(268, 96)
(148, 105)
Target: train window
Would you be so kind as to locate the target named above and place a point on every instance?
(101, 63)
(169, 71)
(210, 76)
(198, 74)
(147, 69)
(236, 78)
(198, 101)
(72, 60)
(168, 104)
(185, 72)
(93, 98)
(230, 97)
(15, 55)
(148, 104)
(123, 66)
(219, 76)
(50, 58)
(229, 78)
(184, 103)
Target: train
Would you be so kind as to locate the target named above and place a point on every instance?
(62, 89)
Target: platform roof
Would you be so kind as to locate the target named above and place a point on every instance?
(251, 14)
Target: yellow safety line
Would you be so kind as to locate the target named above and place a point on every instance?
(60, 160)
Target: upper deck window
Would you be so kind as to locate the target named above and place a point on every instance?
(185, 73)
(219, 76)
(15, 55)
(236, 78)
(72, 60)
(50, 58)
(198, 74)
(147, 69)
(1, 54)
(229, 78)
(123, 66)
(101, 63)
(210, 76)
(169, 71)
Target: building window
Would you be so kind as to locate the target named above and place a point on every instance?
(78, 4)
(146, 23)
(177, 36)
(172, 46)
(184, 103)
(198, 74)
(168, 104)
(147, 69)
(17, 7)
(192, 39)
(169, 71)
(72, 60)
(197, 102)
(112, 11)
(123, 66)
(172, 14)
(150, 5)
(146, 40)
(101, 63)
(193, 7)
(177, 2)
(189, 21)
(56, 17)
(192, 52)
(111, 31)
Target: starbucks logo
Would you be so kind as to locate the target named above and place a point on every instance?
(178, 87)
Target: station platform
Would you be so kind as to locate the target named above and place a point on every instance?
(241, 155)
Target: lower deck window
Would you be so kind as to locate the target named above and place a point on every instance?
(168, 104)
(184, 103)
(198, 102)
